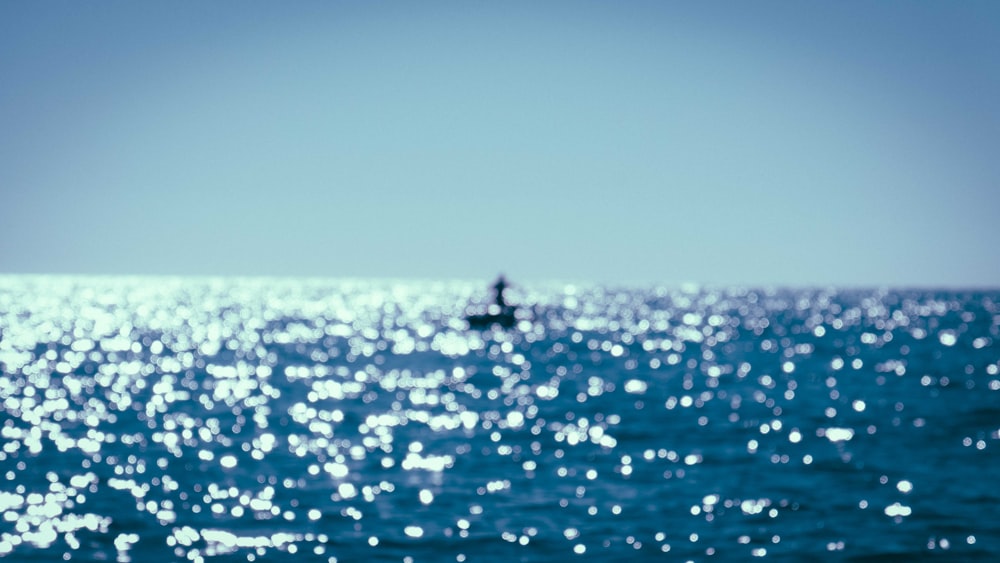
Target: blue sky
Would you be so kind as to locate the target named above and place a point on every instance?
(850, 143)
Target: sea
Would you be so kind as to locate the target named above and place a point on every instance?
(200, 419)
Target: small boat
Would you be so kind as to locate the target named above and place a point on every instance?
(497, 313)
(493, 316)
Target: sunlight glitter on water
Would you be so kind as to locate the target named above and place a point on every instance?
(182, 418)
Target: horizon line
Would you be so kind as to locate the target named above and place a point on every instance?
(631, 284)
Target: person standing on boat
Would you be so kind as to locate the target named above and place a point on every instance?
(499, 287)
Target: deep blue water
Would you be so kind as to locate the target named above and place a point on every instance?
(237, 420)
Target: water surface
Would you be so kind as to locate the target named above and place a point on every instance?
(235, 420)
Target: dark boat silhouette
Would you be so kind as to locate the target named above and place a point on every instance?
(502, 317)
(497, 313)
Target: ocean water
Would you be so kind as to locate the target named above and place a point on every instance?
(242, 420)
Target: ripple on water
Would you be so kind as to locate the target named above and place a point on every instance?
(193, 419)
